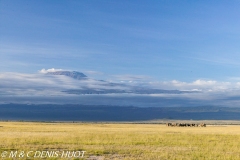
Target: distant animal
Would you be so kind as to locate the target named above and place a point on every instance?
(174, 124)
(188, 125)
(202, 125)
(185, 125)
(168, 124)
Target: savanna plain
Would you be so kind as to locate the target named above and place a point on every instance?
(122, 140)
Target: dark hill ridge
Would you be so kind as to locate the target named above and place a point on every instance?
(78, 112)
(72, 74)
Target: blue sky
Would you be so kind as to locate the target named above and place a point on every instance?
(164, 40)
(163, 44)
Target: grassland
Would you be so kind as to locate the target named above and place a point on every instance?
(123, 141)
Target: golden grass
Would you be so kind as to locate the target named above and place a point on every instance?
(124, 141)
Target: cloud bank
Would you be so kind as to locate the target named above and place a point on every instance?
(44, 88)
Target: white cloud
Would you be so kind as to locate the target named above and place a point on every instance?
(49, 70)
(200, 82)
(34, 84)
(197, 85)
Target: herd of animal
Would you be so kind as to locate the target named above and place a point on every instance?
(186, 125)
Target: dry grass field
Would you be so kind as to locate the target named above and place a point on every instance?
(122, 141)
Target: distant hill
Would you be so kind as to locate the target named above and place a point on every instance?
(72, 74)
(78, 112)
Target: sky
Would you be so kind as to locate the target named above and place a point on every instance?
(169, 44)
